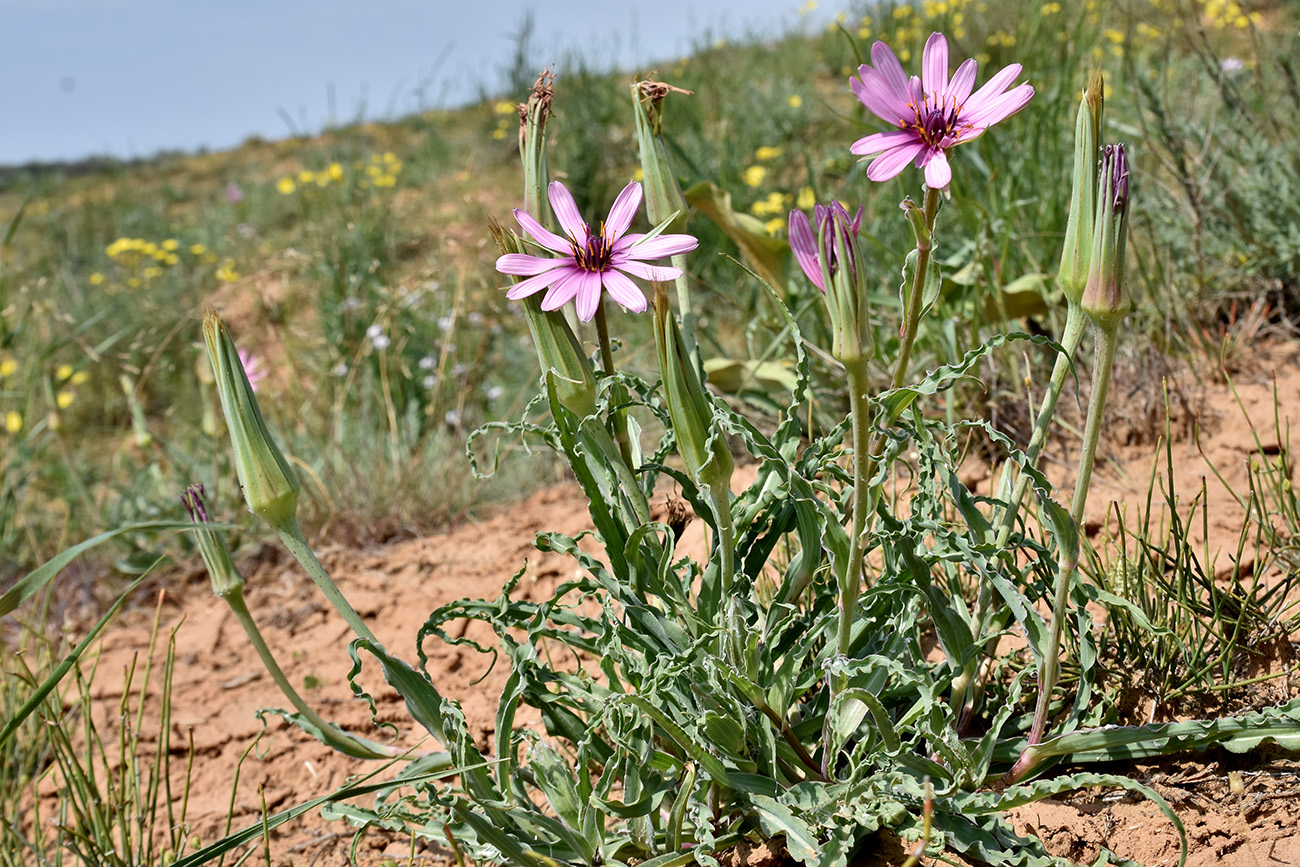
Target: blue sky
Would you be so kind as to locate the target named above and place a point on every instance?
(130, 77)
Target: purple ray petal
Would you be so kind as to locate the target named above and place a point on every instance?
(541, 234)
(523, 265)
(588, 283)
(882, 141)
(891, 162)
(993, 87)
(879, 98)
(624, 209)
(889, 70)
(803, 243)
(661, 273)
(999, 108)
(564, 289)
(938, 174)
(934, 66)
(524, 288)
(663, 245)
(963, 80)
(624, 291)
(566, 211)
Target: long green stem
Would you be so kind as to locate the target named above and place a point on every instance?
(966, 687)
(291, 536)
(339, 740)
(607, 364)
(916, 295)
(1075, 322)
(863, 468)
(1049, 671)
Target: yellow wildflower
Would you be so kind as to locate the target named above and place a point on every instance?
(754, 175)
(774, 225)
(286, 186)
(96, 279)
(171, 245)
(80, 377)
(498, 134)
(806, 199)
(767, 152)
(1050, 8)
(8, 367)
(639, 174)
(13, 421)
(306, 177)
(171, 259)
(148, 248)
(63, 372)
(795, 100)
(64, 398)
(198, 249)
(336, 171)
(504, 107)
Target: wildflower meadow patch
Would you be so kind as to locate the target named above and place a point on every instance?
(832, 667)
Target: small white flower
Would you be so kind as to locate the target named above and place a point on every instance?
(475, 318)
(1232, 64)
(445, 323)
(429, 382)
(427, 363)
(374, 331)
(459, 370)
(350, 303)
(452, 417)
(496, 392)
(340, 369)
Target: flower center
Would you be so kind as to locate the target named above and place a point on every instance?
(595, 252)
(933, 121)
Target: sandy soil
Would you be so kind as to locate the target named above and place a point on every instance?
(1239, 810)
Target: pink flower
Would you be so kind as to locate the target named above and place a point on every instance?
(804, 241)
(589, 259)
(933, 113)
(253, 367)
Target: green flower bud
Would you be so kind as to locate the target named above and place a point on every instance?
(270, 486)
(663, 195)
(1079, 228)
(216, 556)
(708, 460)
(533, 115)
(1105, 296)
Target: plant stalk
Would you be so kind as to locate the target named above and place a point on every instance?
(863, 469)
(924, 245)
(235, 599)
(293, 539)
(966, 687)
(1049, 671)
(607, 364)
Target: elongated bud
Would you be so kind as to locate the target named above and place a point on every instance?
(557, 347)
(701, 445)
(216, 556)
(663, 195)
(533, 116)
(270, 486)
(1079, 227)
(1105, 297)
(843, 275)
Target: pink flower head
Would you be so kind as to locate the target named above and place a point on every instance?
(804, 241)
(933, 113)
(253, 367)
(589, 260)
